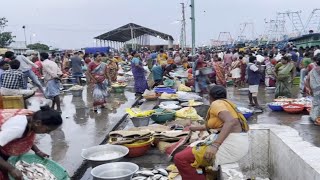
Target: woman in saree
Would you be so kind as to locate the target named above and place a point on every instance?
(18, 134)
(220, 72)
(228, 144)
(270, 79)
(284, 72)
(140, 81)
(236, 71)
(97, 73)
(112, 70)
(313, 89)
(243, 67)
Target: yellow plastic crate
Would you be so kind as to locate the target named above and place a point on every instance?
(12, 102)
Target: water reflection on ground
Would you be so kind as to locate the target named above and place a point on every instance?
(82, 128)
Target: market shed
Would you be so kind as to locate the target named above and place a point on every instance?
(131, 34)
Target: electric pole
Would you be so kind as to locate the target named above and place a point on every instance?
(183, 29)
(193, 27)
(25, 35)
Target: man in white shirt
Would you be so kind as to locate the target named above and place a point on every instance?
(52, 74)
(317, 50)
(26, 67)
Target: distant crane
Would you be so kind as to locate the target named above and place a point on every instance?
(275, 29)
(225, 38)
(295, 19)
(313, 22)
(246, 28)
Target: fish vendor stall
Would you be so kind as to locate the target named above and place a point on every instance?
(154, 131)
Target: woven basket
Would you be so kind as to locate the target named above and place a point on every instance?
(58, 171)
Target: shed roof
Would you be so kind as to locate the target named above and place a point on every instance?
(123, 33)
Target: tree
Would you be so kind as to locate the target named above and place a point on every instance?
(6, 38)
(38, 46)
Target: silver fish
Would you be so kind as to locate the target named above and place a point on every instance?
(139, 178)
(157, 177)
(155, 171)
(145, 173)
(163, 172)
(34, 171)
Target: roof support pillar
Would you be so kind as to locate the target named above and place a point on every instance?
(170, 43)
(131, 29)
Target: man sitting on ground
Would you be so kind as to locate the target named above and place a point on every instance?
(12, 82)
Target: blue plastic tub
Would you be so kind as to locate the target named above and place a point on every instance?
(275, 107)
(247, 115)
(165, 90)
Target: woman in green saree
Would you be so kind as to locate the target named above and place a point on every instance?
(313, 89)
(284, 72)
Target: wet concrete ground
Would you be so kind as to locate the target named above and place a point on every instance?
(300, 122)
(83, 128)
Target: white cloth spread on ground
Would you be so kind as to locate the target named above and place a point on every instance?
(13, 129)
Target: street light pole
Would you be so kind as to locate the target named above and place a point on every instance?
(25, 35)
(193, 27)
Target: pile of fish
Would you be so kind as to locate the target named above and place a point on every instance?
(147, 174)
(34, 171)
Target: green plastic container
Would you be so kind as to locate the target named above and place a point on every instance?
(118, 89)
(58, 171)
(230, 82)
(163, 117)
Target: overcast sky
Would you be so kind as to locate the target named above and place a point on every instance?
(74, 23)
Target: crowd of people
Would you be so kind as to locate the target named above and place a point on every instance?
(269, 67)
(16, 71)
(255, 67)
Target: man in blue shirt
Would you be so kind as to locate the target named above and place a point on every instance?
(159, 71)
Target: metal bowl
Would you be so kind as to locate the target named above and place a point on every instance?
(140, 121)
(114, 171)
(96, 150)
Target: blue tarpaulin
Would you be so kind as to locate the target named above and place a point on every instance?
(96, 49)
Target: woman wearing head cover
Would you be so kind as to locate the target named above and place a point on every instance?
(97, 73)
(285, 71)
(162, 58)
(228, 144)
(220, 72)
(313, 89)
(269, 74)
(140, 81)
(18, 133)
(112, 70)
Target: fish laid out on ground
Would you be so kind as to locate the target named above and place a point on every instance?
(34, 171)
(153, 174)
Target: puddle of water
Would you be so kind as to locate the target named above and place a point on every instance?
(82, 128)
